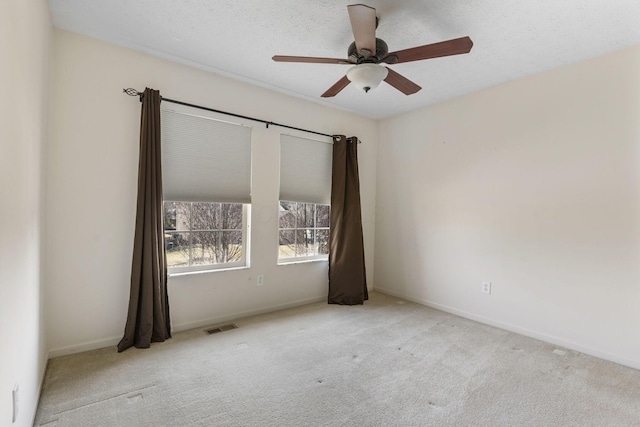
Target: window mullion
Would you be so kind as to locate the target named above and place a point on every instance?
(190, 233)
(219, 233)
(315, 230)
(295, 230)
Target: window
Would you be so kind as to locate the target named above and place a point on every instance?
(198, 234)
(206, 185)
(305, 195)
(303, 230)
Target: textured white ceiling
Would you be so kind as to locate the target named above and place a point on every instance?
(237, 38)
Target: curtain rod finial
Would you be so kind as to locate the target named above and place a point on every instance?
(133, 92)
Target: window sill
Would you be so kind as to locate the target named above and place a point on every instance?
(302, 261)
(209, 270)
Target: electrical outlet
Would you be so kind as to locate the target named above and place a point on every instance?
(486, 287)
(14, 393)
(260, 279)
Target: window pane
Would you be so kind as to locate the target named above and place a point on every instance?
(183, 216)
(323, 242)
(304, 242)
(309, 215)
(287, 240)
(205, 216)
(323, 212)
(177, 248)
(304, 215)
(286, 215)
(231, 216)
(203, 247)
(230, 246)
(169, 218)
(313, 243)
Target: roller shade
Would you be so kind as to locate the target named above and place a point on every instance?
(205, 160)
(305, 170)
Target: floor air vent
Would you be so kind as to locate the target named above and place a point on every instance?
(221, 328)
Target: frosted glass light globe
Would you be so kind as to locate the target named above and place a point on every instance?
(367, 76)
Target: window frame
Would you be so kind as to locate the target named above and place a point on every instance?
(203, 268)
(247, 215)
(303, 258)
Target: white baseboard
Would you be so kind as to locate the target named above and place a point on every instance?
(517, 329)
(113, 341)
(43, 371)
(270, 309)
(86, 346)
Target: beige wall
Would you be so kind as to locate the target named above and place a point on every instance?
(92, 178)
(534, 186)
(25, 41)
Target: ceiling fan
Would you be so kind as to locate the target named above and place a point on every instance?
(367, 53)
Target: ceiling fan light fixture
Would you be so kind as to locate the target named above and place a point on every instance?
(367, 76)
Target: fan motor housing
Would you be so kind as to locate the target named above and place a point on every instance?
(381, 50)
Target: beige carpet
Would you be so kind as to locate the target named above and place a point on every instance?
(387, 363)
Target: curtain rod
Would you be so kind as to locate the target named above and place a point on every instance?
(134, 92)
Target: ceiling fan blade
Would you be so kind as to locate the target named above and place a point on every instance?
(336, 88)
(310, 59)
(401, 83)
(435, 50)
(363, 24)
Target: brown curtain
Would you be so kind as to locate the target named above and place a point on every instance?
(148, 317)
(347, 278)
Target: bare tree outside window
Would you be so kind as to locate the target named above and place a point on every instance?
(198, 233)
